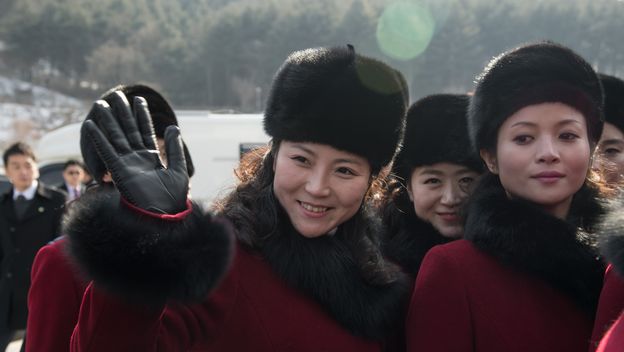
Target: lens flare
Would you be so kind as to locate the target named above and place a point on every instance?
(405, 30)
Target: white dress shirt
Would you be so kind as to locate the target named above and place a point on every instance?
(28, 193)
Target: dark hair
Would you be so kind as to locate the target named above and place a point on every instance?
(255, 213)
(251, 206)
(19, 148)
(73, 162)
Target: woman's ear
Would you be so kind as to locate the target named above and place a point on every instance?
(490, 160)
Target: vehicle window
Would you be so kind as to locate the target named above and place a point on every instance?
(51, 174)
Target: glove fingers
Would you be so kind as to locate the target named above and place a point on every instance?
(144, 120)
(122, 112)
(109, 126)
(103, 148)
(175, 152)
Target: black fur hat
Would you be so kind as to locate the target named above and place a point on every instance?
(436, 131)
(614, 100)
(337, 97)
(162, 115)
(528, 75)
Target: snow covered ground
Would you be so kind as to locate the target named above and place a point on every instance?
(27, 111)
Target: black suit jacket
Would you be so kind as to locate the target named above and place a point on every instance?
(20, 241)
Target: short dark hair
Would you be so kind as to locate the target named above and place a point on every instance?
(73, 162)
(19, 148)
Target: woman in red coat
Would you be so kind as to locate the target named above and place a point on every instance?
(304, 273)
(610, 158)
(525, 277)
(53, 299)
(610, 317)
(609, 325)
(57, 286)
(430, 180)
(611, 304)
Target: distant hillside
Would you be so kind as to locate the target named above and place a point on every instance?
(27, 111)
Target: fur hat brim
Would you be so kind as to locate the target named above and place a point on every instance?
(614, 100)
(533, 74)
(336, 97)
(436, 131)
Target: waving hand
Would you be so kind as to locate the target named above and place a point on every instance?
(125, 141)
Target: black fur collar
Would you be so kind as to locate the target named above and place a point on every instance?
(326, 268)
(523, 236)
(414, 238)
(612, 234)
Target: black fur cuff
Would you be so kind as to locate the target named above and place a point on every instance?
(144, 258)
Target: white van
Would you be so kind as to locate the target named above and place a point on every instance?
(215, 141)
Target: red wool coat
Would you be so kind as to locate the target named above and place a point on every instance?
(53, 299)
(613, 341)
(610, 305)
(465, 300)
(252, 309)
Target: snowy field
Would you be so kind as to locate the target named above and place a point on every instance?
(27, 111)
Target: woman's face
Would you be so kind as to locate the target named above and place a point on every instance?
(318, 186)
(438, 191)
(610, 153)
(542, 155)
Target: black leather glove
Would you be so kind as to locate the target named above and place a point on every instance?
(124, 139)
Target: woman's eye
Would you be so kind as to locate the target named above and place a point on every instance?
(523, 139)
(466, 180)
(612, 151)
(568, 136)
(345, 171)
(432, 181)
(300, 159)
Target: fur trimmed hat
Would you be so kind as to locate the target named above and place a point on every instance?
(162, 115)
(336, 97)
(613, 100)
(528, 75)
(436, 131)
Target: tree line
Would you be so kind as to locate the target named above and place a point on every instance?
(222, 54)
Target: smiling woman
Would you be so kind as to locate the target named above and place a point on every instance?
(318, 186)
(304, 271)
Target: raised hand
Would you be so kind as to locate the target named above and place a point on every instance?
(125, 141)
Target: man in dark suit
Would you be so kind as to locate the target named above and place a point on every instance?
(31, 215)
(73, 175)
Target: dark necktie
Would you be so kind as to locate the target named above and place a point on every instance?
(21, 204)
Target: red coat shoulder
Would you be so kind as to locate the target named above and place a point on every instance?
(613, 341)
(465, 300)
(610, 305)
(53, 299)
